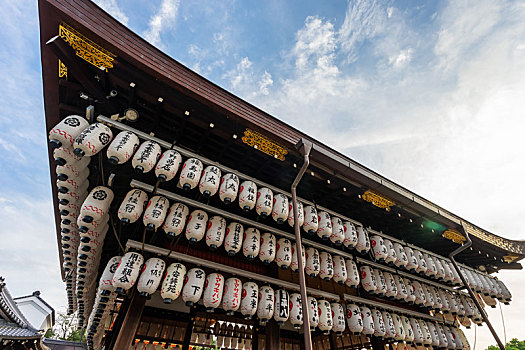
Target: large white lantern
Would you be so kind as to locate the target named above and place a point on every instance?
(429, 296)
(368, 279)
(146, 157)
(368, 320)
(338, 318)
(338, 232)
(92, 140)
(418, 333)
(168, 165)
(64, 133)
(350, 240)
(434, 333)
(196, 225)
(402, 292)
(132, 206)
(340, 274)
(352, 272)
(312, 262)
(233, 239)
(210, 181)
(151, 276)
(249, 300)
(438, 303)
(251, 243)
(421, 262)
(267, 250)
(193, 286)
(229, 188)
(296, 310)
(313, 312)
(450, 337)
(382, 287)
(411, 297)
(457, 337)
(247, 195)
(215, 232)
(283, 257)
(443, 342)
(127, 272)
(95, 208)
(63, 156)
(431, 266)
(311, 222)
(264, 201)
(190, 174)
(265, 304)
(280, 208)
(176, 219)
(106, 279)
(354, 319)
(325, 316)
(172, 284)
(300, 214)
(391, 255)
(398, 327)
(326, 270)
(213, 290)
(155, 212)
(440, 271)
(409, 333)
(294, 266)
(122, 148)
(324, 228)
(363, 243)
(282, 306)
(427, 337)
(412, 261)
(401, 256)
(378, 248)
(388, 321)
(231, 299)
(420, 294)
(449, 276)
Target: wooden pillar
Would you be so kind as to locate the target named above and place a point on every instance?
(255, 337)
(273, 335)
(377, 343)
(333, 341)
(126, 334)
(189, 330)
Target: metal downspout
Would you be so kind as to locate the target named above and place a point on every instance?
(471, 293)
(304, 147)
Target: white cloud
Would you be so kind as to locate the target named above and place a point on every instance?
(164, 18)
(265, 83)
(112, 7)
(402, 59)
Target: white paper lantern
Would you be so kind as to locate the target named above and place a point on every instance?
(311, 223)
(324, 228)
(280, 208)
(282, 306)
(402, 292)
(398, 327)
(267, 250)
(312, 262)
(249, 300)
(122, 148)
(196, 225)
(421, 262)
(401, 257)
(155, 212)
(388, 321)
(66, 131)
(213, 289)
(265, 307)
(431, 266)
(378, 248)
(350, 240)
(379, 325)
(127, 271)
(210, 181)
(325, 316)
(438, 303)
(313, 312)
(434, 333)
(72, 183)
(176, 219)
(95, 208)
(443, 342)
(418, 333)
(231, 299)
(72, 196)
(363, 243)
(449, 276)
(296, 310)
(106, 279)
(352, 272)
(338, 232)
(382, 287)
(368, 321)
(229, 188)
(457, 337)
(425, 331)
(326, 270)
(429, 297)
(420, 294)
(263, 204)
(300, 214)
(283, 257)
(168, 165)
(354, 319)
(340, 274)
(132, 206)
(391, 255)
(294, 265)
(251, 243)
(247, 195)
(151, 276)
(452, 302)
(440, 271)
(172, 284)
(411, 297)
(65, 156)
(190, 174)
(412, 262)
(368, 279)
(338, 318)
(193, 286)
(215, 232)
(146, 157)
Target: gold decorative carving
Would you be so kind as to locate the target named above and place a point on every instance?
(85, 48)
(264, 144)
(511, 258)
(62, 70)
(377, 200)
(454, 236)
(505, 244)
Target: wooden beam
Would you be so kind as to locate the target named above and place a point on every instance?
(273, 335)
(131, 322)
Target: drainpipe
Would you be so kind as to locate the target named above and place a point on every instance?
(304, 147)
(472, 295)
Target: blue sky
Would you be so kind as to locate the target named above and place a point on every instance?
(428, 93)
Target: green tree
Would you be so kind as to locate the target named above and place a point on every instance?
(513, 344)
(65, 328)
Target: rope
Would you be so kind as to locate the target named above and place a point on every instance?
(475, 336)
(503, 323)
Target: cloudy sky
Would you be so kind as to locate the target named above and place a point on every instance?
(426, 93)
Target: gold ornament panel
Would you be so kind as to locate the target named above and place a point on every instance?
(454, 236)
(510, 246)
(377, 200)
(264, 144)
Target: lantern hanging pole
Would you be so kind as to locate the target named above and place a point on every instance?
(304, 147)
(472, 295)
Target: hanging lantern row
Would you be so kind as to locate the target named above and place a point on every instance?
(98, 318)
(228, 336)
